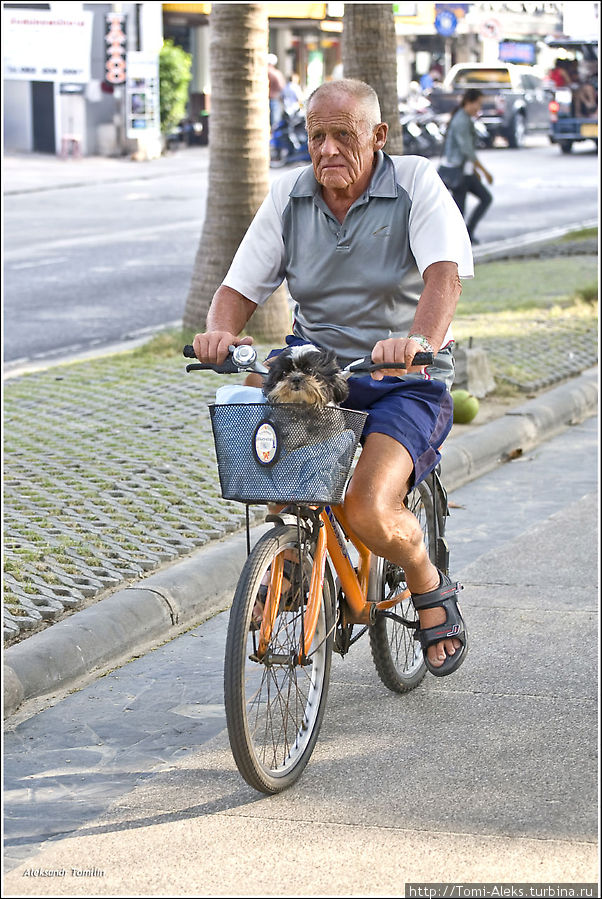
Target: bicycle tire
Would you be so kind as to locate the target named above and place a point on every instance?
(398, 658)
(274, 711)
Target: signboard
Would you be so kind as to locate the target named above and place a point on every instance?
(116, 48)
(446, 22)
(142, 95)
(296, 10)
(198, 8)
(414, 14)
(491, 29)
(46, 46)
(517, 52)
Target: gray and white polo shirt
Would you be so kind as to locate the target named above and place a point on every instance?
(356, 282)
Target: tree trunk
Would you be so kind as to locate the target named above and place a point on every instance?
(238, 159)
(370, 54)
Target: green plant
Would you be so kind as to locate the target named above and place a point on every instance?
(580, 235)
(174, 76)
(588, 293)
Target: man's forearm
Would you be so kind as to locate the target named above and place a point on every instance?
(229, 311)
(438, 301)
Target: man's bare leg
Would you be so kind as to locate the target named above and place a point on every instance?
(376, 513)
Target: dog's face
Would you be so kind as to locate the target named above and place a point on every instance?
(305, 374)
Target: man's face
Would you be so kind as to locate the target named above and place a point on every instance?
(341, 143)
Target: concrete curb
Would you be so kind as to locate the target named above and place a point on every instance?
(472, 455)
(129, 622)
(136, 618)
(500, 249)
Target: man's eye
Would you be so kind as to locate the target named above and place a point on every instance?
(317, 137)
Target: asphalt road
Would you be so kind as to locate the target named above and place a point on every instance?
(89, 266)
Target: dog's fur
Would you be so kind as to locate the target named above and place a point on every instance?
(305, 374)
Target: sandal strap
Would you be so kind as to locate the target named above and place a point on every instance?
(453, 627)
(446, 591)
(444, 596)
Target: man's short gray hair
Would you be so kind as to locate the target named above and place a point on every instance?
(363, 93)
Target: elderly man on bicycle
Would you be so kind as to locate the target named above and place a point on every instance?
(373, 249)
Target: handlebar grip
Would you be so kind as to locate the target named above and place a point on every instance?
(226, 368)
(366, 364)
(424, 359)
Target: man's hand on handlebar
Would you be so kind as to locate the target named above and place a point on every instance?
(396, 349)
(212, 346)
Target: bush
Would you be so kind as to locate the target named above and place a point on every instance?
(174, 76)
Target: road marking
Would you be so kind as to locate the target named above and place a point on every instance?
(83, 352)
(39, 262)
(104, 237)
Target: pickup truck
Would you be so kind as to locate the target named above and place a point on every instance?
(515, 98)
(571, 119)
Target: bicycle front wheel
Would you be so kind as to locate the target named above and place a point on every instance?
(397, 656)
(274, 704)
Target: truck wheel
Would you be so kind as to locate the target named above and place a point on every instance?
(516, 134)
(566, 146)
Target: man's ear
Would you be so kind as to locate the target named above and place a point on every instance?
(380, 135)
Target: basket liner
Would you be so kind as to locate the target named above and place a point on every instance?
(305, 456)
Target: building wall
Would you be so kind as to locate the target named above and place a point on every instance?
(18, 132)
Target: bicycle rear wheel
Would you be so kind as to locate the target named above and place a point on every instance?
(274, 705)
(397, 656)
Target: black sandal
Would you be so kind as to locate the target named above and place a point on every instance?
(445, 596)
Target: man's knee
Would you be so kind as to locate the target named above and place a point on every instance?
(375, 517)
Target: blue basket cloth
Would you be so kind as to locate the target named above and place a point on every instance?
(317, 471)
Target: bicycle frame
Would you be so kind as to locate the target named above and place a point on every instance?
(357, 609)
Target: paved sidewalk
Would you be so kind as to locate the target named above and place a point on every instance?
(127, 787)
(27, 172)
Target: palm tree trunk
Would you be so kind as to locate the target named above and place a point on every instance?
(370, 54)
(238, 158)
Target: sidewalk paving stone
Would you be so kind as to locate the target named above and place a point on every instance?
(109, 474)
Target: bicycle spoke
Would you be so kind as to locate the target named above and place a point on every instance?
(274, 705)
(283, 714)
(397, 656)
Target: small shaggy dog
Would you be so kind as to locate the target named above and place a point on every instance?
(305, 374)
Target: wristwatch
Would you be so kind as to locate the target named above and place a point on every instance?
(423, 341)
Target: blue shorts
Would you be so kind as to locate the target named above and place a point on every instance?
(416, 413)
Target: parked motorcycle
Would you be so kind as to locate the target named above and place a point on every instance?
(421, 133)
(288, 142)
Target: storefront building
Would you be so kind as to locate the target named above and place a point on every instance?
(60, 96)
(81, 78)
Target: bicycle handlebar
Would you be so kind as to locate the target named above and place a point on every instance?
(366, 364)
(249, 363)
(230, 366)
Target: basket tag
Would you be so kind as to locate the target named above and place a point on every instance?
(265, 443)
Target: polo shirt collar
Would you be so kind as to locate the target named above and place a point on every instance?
(383, 183)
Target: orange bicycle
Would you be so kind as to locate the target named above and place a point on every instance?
(308, 583)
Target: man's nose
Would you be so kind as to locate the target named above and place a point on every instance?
(330, 147)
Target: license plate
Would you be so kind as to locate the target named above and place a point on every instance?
(589, 131)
